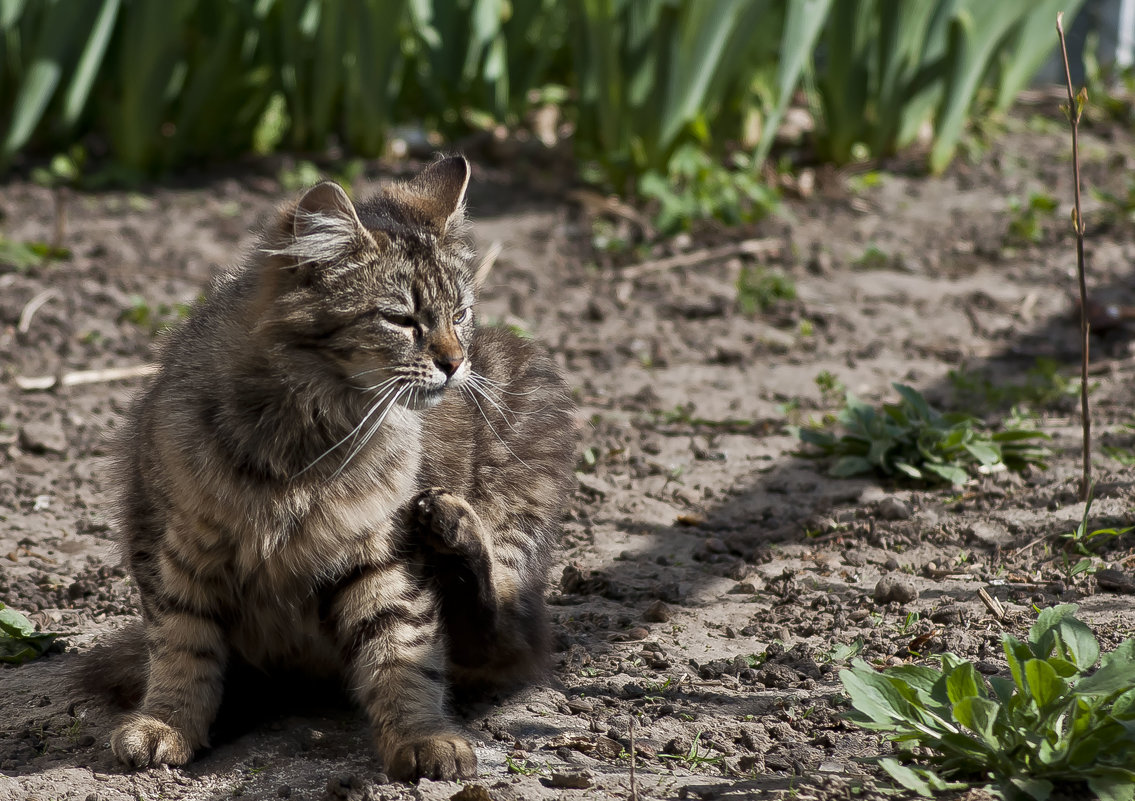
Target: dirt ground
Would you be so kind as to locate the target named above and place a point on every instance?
(709, 574)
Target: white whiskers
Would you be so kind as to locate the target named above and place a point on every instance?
(389, 392)
(472, 389)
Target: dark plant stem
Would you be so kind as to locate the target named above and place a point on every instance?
(1075, 109)
(634, 783)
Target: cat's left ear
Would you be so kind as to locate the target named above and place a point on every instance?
(326, 225)
(437, 194)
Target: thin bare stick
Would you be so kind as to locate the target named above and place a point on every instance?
(1075, 109)
(991, 603)
(487, 262)
(32, 306)
(44, 382)
(634, 781)
(747, 247)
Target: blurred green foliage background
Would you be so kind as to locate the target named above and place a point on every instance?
(654, 92)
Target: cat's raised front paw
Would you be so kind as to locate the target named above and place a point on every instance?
(143, 741)
(441, 757)
(448, 522)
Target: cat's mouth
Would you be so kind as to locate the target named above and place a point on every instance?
(424, 397)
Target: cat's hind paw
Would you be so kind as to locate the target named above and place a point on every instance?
(440, 757)
(143, 741)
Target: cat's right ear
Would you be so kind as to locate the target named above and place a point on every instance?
(322, 228)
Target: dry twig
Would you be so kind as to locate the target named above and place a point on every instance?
(991, 603)
(45, 382)
(31, 307)
(747, 247)
(486, 265)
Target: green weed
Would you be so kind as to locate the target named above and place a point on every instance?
(524, 767)
(759, 288)
(1044, 387)
(153, 319)
(1026, 219)
(831, 388)
(872, 259)
(1082, 540)
(1117, 209)
(696, 187)
(1053, 724)
(696, 757)
(19, 641)
(911, 439)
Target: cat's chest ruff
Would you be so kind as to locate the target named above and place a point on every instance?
(326, 530)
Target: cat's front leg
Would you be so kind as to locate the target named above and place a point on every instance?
(386, 624)
(491, 585)
(455, 538)
(183, 691)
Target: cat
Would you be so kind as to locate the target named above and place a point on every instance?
(335, 468)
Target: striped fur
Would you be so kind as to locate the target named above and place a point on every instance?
(334, 469)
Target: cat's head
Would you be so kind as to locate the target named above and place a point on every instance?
(381, 291)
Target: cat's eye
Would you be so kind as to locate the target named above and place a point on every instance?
(461, 316)
(402, 320)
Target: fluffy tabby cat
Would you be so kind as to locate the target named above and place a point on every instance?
(334, 468)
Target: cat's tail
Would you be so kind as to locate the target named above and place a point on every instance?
(115, 669)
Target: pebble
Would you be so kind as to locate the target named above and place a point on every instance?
(472, 792)
(43, 436)
(989, 533)
(896, 589)
(893, 508)
(567, 781)
(1115, 581)
(657, 612)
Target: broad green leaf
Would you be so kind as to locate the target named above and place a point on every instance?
(1123, 707)
(1038, 789)
(1042, 638)
(850, 466)
(1016, 653)
(985, 454)
(873, 695)
(915, 400)
(1113, 784)
(1017, 434)
(908, 470)
(811, 436)
(919, 678)
(1116, 673)
(963, 682)
(19, 641)
(1043, 684)
(1064, 669)
(1076, 643)
(952, 473)
(978, 715)
(1003, 688)
(910, 778)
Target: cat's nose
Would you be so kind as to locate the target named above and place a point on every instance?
(449, 363)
